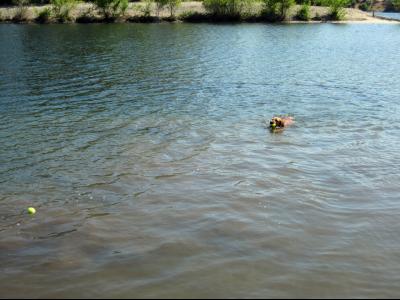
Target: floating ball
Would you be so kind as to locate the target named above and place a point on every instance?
(31, 210)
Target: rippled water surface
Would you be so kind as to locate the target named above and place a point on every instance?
(144, 150)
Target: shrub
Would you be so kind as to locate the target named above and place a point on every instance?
(336, 9)
(62, 9)
(227, 9)
(111, 9)
(304, 13)
(123, 6)
(21, 13)
(277, 10)
(44, 16)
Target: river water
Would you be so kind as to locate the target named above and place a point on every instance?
(393, 15)
(144, 150)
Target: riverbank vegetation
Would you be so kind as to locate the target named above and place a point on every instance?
(393, 5)
(21, 12)
(336, 9)
(304, 13)
(111, 9)
(62, 11)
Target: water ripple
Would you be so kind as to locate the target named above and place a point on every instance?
(145, 150)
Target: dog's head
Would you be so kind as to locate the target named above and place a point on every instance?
(276, 122)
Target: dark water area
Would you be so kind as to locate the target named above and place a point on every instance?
(144, 150)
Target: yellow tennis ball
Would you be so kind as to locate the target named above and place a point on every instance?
(31, 210)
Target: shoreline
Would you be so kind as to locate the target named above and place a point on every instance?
(188, 12)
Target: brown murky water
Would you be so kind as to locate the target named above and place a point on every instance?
(144, 151)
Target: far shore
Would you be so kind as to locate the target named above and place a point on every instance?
(135, 14)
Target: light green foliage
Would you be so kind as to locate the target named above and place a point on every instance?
(123, 6)
(304, 13)
(112, 8)
(62, 9)
(227, 8)
(277, 10)
(336, 8)
(173, 5)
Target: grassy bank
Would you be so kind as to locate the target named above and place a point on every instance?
(148, 11)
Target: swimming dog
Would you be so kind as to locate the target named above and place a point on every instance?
(280, 122)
